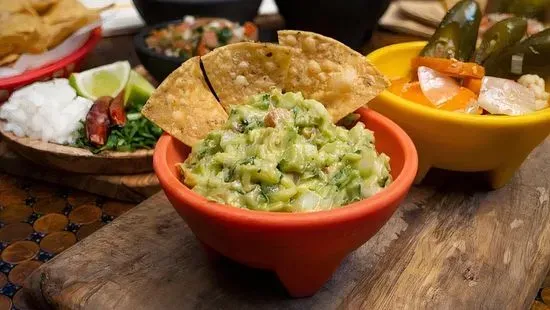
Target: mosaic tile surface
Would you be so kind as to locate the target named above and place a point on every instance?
(39, 221)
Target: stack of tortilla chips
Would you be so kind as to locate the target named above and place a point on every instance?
(34, 26)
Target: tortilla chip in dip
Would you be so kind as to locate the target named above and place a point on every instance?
(330, 72)
(184, 106)
(238, 71)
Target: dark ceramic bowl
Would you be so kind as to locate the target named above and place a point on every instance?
(348, 21)
(158, 65)
(158, 11)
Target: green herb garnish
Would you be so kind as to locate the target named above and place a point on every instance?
(138, 133)
(224, 35)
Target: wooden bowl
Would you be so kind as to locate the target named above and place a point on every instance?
(78, 160)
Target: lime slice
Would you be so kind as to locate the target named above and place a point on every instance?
(138, 90)
(108, 80)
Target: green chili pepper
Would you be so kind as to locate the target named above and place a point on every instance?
(529, 56)
(501, 35)
(457, 33)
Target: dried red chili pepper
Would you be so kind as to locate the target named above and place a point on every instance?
(116, 110)
(98, 122)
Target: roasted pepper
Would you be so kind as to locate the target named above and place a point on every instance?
(457, 33)
(97, 121)
(116, 110)
(501, 35)
(529, 56)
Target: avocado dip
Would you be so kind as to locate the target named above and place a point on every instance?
(280, 152)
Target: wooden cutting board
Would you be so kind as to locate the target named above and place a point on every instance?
(132, 188)
(394, 19)
(451, 245)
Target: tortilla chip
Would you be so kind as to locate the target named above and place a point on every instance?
(41, 6)
(41, 44)
(240, 70)
(16, 6)
(10, 58)
(18, 31)
(66, 11)
(184, 106)
(330, 72)
(61, 31)
(59, 25)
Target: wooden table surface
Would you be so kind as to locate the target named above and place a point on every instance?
(451, 245)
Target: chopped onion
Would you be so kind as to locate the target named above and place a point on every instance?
(308, 201)
(437, 87)
(503, 96)
(471, 108)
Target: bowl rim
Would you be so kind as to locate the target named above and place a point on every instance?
(372, 205)
(33, 74)
(449, 116)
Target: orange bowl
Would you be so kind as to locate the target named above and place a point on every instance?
(303, 249)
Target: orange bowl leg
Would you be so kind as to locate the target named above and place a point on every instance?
(211, 254)
(304, 277)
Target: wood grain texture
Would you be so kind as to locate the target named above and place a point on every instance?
(451, 245)
(133, 188)
(73, 159)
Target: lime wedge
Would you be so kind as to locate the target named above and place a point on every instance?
(138, 90)
(108, 80)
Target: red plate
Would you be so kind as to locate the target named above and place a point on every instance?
(59, 69)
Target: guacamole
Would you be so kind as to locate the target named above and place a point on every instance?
(279, 152)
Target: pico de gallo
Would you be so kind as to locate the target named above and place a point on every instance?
(198, 36)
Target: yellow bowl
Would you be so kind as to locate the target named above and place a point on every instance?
(456, 141)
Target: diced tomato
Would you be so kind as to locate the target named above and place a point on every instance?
(182, 27)
(210, 39)
(180, 44)
(201, 48)
(250, 30)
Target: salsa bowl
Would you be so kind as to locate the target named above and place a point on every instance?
(303, 249)
(456, 141)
